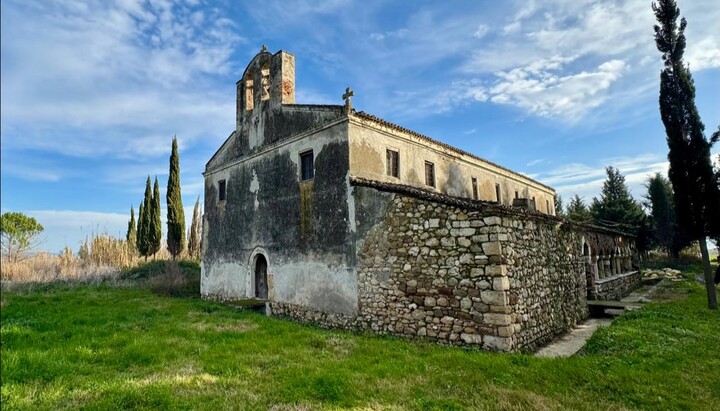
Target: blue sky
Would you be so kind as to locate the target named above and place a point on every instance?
(93, 91)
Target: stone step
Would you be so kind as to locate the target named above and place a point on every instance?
(602, 308)
(613, 304)
(248, 304)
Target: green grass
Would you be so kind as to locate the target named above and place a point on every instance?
(99, 347)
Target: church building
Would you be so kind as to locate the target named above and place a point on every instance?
(339, 217)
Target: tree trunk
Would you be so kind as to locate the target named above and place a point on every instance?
(709, 284)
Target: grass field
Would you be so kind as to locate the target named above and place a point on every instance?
(102, 347)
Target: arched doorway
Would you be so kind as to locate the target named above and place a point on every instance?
(261, 287)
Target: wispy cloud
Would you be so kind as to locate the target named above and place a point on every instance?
(113, 79)
(587, 180)
(33, 173)
(535, 162)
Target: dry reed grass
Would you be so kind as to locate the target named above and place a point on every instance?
(100, 258)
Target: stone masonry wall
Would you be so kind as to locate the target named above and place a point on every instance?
(429, 270)
(545, 269)
(462, 276)
(616, 287)
(464, 273)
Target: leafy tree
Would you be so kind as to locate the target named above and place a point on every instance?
(558, 205)
(131, 235)
(175, 212)
(19, 234)
(577, 210)
(195, 230)
(697, 194)
(144, 222)
(615, 203)
(155, 231)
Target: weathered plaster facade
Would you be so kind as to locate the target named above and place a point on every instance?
(303, 210)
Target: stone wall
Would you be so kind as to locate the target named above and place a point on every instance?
(463, 276)
(545, 270)
(463, 272)
(615, 287)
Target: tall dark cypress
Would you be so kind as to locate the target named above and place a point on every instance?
(131, 236)
(194, 239)
(155, 228)
(175, 212)
(143, 240)
(697, 195)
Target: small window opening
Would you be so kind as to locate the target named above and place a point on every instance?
(265, 85)
(547, 206)
(516, 194)
(497, 193)
(393, 163)
(307, 166)
(474, 188)
(249, 99)
(221, 190)
(430, 174)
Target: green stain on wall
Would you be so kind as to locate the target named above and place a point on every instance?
(307, 219)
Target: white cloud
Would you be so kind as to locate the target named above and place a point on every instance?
(512, 27)
(704, 55)
(612, 56)
(540, 88)
(587, 180)
(481, 31)
(377, 36)
(33, 173)
(535, 162)
(97, 78)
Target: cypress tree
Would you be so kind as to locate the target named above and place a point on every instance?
(144, 221)
(194, 237)
(155, 226)
(131, 236)
(697, 194)
(175, 212)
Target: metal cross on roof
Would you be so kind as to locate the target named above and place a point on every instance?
(348, 93)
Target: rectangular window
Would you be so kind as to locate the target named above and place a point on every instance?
(221, 190)
(497, 193)
(430, 174)
(307, 166)
(475, 189)
(393, 163)
(516, 194)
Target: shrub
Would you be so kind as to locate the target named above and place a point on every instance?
(176, 280)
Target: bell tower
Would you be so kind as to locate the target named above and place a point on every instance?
(268, 82)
